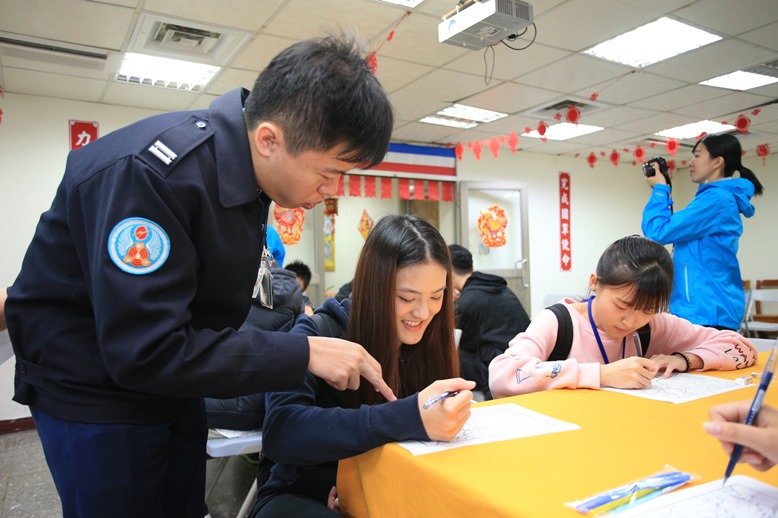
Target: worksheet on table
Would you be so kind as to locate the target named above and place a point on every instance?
(682, 387)
(742, 496)
(494, 423)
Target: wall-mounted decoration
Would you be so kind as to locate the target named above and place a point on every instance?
(492, 222)
(365, 224)
(82, 133)
(290, 224)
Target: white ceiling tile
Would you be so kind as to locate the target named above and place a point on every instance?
(510, 98)
(243, 14)
(574, 73)
(164, 99)
(230, 79)
(59, 86)
(680, 97)
(742, 16)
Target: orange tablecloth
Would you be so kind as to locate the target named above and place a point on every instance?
(622, 438)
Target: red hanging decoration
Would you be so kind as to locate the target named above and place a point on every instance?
(671, 146)
(476, 149)
(491, 225)
(762, 150)
(594, 96)
(742, 123)
(418, 189)
(513, 141)
(614, 157)
(447, 191)
(527, 129)
(354, 186)
(542, 127)
(372, 61)
(459, 151)
(592, 159)
(756, 111)
(370, 187)
(573, 114)
(404, 188)
(433, 190)
(558, 116)
(341, 188)
(640, 153)
(372, 58)
(386, 188)
(671, 165)
(602, 153)
(494, 146)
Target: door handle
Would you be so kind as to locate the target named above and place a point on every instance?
(519, 265)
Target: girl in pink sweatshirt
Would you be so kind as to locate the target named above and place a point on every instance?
(631, 288)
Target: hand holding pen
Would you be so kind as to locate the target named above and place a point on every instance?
(444, 407)
(756, 439)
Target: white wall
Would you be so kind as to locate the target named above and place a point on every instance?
(607, 202)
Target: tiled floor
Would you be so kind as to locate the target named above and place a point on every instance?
(27, 490)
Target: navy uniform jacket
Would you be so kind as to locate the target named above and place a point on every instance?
(130, 294)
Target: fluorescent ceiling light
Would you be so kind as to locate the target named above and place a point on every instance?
(460, 111)
(740, 80)
(444, 121)
(165, 72)
(461, 116)
(695, 129)
(564, 131)
(405, 3)
(652, 43)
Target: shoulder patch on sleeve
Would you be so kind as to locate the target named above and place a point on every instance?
(138, 246)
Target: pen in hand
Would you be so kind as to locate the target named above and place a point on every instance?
(440, 397)
(756, 405)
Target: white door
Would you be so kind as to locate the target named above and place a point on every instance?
(510, 260)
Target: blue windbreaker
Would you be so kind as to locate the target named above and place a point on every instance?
(708, 289)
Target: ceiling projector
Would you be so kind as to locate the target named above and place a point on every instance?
(477, 24)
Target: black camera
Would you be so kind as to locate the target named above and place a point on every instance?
(648, 169)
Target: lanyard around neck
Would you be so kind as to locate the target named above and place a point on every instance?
(599, 340)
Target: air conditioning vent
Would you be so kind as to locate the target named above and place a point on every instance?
(769, 69)
(549, 110)
(175, 38)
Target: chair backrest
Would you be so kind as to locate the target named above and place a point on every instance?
(764, 283)
(757, 295)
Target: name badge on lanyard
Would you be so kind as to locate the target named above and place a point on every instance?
(263, 288)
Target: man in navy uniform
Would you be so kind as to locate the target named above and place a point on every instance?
(125, 312)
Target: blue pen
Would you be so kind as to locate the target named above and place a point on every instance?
(659, 482)
(431, 401)
(756, 404)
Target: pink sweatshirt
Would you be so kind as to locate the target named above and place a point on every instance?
(522, 368)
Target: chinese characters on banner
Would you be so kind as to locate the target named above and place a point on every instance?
(82, 133)
(565, 253)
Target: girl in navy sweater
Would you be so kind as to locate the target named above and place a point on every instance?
(403, 312)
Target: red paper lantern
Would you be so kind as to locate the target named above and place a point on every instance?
(615, 156)
(513, 141)
(742, 123)
(494, 146)
(476, 149)
(542, 127)
(640, 153)
(558, 116)
(372, 61)
(573, 114)
(592, 159)
(671, 146)
(527, 129)
(762, 150)
(459, 150)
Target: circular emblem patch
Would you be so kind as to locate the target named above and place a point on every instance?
(138, 246)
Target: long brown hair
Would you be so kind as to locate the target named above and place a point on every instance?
(395, 242)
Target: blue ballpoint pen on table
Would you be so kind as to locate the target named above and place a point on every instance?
(767, 376)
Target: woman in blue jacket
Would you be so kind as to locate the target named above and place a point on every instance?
(708, 289)
(402, 308)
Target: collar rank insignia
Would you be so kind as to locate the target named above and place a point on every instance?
(138, 246)
(164, 153)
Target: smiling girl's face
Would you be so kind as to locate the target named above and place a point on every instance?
(419, 290)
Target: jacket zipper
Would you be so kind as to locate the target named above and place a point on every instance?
(686, 281)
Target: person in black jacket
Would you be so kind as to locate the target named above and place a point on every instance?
(489, 315)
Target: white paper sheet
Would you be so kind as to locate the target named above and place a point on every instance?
(494, 423)
(682, 387)
(742, 496)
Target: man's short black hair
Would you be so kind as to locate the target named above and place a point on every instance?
(302, 271)
(461, 259)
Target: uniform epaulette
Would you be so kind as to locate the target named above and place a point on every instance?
(173, 144)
